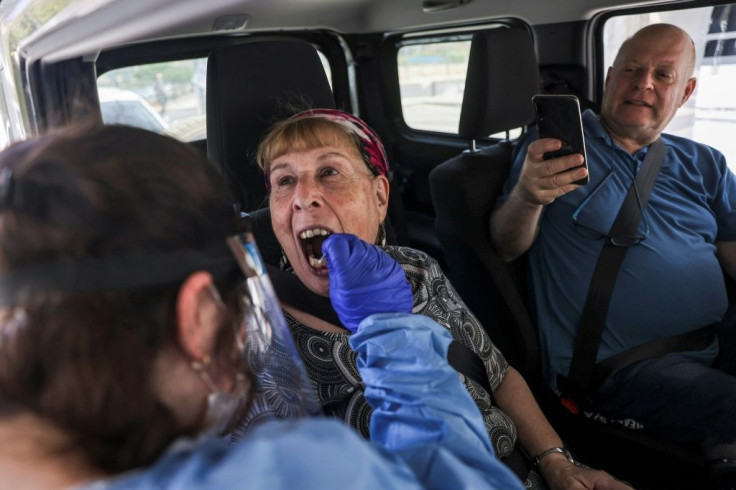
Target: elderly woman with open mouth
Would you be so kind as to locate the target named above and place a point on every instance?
(326, 173)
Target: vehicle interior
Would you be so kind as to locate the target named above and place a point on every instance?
(447, 84)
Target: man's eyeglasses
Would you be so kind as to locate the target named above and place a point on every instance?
(619, 241)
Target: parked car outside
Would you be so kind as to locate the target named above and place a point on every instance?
(127, 107)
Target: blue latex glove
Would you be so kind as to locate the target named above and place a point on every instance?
(402, 360)
(364, 280)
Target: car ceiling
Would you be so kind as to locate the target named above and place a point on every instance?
(364, 16)
(88, 26)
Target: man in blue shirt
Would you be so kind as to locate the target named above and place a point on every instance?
(671, 281)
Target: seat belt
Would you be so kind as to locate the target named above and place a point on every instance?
(575, 386)
(512, 297)
(290, 290)
(690, 341)
(469, 364)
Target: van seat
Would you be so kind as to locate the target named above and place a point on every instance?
(248, 85)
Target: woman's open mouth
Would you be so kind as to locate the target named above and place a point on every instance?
(312, 240)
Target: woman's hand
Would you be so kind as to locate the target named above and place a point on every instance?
(560, 474)
(364, 280)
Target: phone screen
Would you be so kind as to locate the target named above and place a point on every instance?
(558, 116)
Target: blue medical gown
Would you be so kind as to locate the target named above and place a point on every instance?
(426, 431)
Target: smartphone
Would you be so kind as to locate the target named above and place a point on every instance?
(558, 116)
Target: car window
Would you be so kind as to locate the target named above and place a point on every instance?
(127, 107)
(432, 81)
(166, 97)
(710, 115)
(169, 97)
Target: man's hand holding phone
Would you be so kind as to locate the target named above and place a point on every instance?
(554, 165)
(558, 117)
(542, 181)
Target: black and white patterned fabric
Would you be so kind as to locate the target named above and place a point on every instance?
(330, 363)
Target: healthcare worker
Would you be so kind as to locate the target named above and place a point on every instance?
(137, 325)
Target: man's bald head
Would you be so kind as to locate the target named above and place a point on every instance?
(651, 77)
(655, 33)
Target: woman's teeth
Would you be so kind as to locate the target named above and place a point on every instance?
(309, 246)
(313, 233)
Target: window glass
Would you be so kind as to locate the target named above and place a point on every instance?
(431, 81)
(164, 97)
(710, 115)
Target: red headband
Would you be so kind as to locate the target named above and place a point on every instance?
(371, 147)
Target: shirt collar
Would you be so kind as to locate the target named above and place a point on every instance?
(594, 127)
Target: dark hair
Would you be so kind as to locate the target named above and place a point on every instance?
(84, 359)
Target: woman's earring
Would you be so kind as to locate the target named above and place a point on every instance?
(381, 239)
(283, 261)
(201, 365)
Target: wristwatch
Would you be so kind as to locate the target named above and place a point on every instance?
(538, 458)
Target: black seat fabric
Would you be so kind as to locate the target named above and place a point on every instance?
(498, 90)
(268, 245)
(501, 79)
(463, 191)
(247, 86)
(250, 86)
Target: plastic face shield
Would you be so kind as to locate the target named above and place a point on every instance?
(282, 389)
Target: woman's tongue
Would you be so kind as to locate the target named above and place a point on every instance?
(314, 252)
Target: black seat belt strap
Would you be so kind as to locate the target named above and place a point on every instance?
(601, 286)
(469, 364)
(696, 340)
(504, 281)
(290, 290)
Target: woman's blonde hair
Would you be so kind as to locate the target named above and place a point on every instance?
(297, 135)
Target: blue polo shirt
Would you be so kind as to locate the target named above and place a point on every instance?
(670, 283)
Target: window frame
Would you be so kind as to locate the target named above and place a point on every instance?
(596, 58)
(392, 44)
(328, 43)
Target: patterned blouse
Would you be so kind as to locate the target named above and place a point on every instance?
(330, 362)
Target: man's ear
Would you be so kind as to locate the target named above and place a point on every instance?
(689, 89)
(196, 315)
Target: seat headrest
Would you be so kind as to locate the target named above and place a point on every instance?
(247, 87)
(502, 77)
